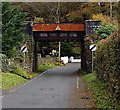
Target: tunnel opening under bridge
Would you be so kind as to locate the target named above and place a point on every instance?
(66, 32)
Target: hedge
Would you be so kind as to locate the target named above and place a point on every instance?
(108, 63)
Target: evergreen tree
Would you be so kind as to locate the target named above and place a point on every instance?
(66, 49)
(12, 28)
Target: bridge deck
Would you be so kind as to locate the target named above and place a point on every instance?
(58, 32)
(60, 27)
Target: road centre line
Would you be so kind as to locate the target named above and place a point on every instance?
(77, 82)
(1, 96)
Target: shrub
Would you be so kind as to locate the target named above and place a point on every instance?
(105, 30)
(107, 63)
(4, 66)
(20, 72)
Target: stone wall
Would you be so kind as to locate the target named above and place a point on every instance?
(24, 59)
(44, 60)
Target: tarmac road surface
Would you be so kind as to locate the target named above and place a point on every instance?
(52, 89)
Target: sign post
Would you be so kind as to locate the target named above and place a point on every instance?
(59, 50)
(24, 50)
(93, 48)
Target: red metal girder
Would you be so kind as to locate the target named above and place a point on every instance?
(63, 27)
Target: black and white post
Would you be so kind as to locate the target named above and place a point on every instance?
(93, 48)
(24, 50)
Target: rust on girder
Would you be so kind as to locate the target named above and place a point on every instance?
(62, 27)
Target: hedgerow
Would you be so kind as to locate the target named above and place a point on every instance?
(108, 64)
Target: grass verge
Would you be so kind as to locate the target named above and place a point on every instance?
(50, 65)
(103, 98)
(20, 72)
(18, 76)
(42, 68)
(11, 80)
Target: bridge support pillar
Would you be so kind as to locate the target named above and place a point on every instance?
(83, 56)
(35, 59)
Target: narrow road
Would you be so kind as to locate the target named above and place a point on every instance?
(49, 90)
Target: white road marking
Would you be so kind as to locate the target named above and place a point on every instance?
(77, 82)
(28, 81)
(1, 96)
